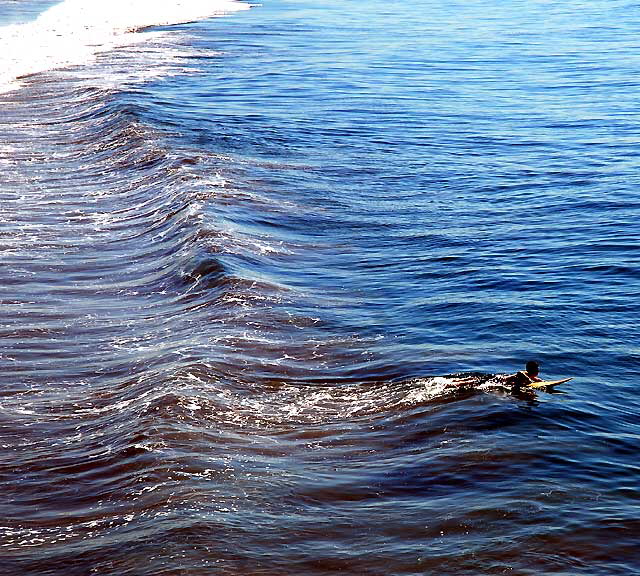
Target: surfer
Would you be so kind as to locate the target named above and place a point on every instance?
(526, 380)
(524, 377)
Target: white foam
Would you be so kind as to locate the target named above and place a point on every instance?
(425, 389)
(74, 31)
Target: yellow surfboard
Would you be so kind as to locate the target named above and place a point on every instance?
(547, 383)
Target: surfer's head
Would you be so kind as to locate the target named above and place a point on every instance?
(533, 368)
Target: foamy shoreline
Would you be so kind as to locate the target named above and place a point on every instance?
(74, 31)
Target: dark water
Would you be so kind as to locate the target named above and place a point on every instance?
(238, 262)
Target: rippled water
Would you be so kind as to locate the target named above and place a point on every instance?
(241, 260)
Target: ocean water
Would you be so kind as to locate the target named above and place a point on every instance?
(245, 252)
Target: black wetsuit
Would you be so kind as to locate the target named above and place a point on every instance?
(518, 380)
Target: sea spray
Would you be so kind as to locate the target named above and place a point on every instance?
(74, 32)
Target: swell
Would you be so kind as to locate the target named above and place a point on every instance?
(102, 263)
(153, 354)
(141, 333)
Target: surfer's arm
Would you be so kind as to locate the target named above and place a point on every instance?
(518, 380)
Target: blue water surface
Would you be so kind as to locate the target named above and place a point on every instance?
(473, 165)
(278, 253)
(19, 11)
